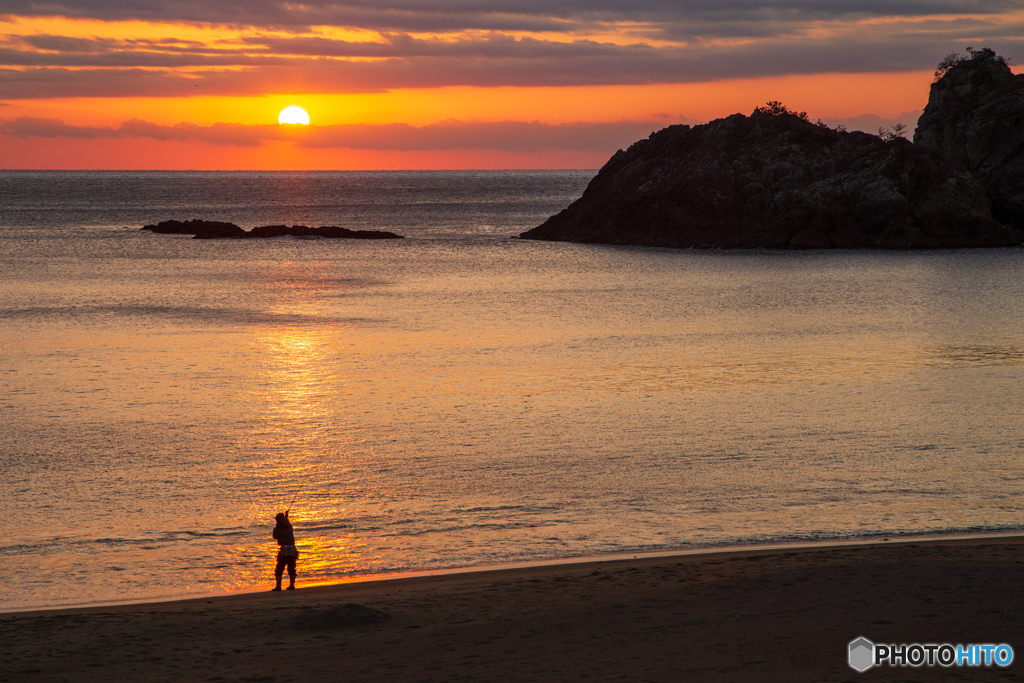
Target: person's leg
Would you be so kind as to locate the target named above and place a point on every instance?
(279, 571)
(291, 573)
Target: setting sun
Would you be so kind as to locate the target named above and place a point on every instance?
(293, 114)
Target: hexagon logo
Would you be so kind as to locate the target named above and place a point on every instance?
(862, 654)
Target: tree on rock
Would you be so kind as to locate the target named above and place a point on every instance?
(776, 108)
(954, 58)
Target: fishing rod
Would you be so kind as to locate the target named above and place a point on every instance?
(314, 470)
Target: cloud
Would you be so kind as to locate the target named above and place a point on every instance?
(217, 134)
(514, 136)
(491, 15)
(42, 83)
(32, 127)
(484, 64)
(404, 46)
(503, 43)
(60, 51)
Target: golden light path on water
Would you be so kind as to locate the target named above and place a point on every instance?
(295, 395)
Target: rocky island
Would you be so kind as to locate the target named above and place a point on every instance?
(205, 230)
(775, 180)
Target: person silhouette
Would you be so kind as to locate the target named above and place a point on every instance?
(288, 553)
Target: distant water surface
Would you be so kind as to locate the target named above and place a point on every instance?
(461, 398)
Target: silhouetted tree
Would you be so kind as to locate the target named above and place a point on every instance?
(954, 58)
(840, 128)
(897, 130)
(776, 108)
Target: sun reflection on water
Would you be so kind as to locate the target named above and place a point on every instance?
(290, 436)
(298, 450)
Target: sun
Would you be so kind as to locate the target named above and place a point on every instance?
(293, 114)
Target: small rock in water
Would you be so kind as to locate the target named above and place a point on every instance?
(207, 230)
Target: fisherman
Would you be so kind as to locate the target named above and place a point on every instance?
(288, 553)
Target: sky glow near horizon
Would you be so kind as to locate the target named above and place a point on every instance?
(446, 84)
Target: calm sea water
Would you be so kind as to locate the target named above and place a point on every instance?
(462, 398)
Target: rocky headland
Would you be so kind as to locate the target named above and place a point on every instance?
(205, 230)
(775, 180)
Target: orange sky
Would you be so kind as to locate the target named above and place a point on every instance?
(428, 85)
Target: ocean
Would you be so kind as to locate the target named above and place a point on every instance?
(462, 398)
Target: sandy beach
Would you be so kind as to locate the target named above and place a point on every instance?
(754, 615)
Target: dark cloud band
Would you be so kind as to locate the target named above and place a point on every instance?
(514, 136)
(669, 42)
(490, 15)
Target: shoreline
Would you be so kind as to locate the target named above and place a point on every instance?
(777, 614)
(709, 551)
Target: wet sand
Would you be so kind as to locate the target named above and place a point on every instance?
(760, 615)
